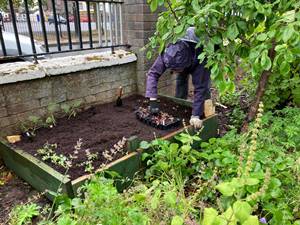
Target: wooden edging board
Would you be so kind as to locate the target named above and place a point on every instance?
(42, 177)
(37, 173)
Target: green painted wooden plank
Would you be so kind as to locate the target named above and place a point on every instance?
(127, 167)
(132, 143)
(41, 176)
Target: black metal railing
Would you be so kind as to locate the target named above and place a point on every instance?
(59, 26)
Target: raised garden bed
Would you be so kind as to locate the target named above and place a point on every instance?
(100, 128)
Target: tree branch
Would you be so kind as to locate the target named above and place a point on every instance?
(260, 91)
(172, 10)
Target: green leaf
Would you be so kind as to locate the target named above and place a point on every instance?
(34, 119)
(226, 188)
(217, 40)
(284, 67)
(166, 36)
(240, 2)
(65, 220)
(77, 103)
(265, 62)
(191, 21)
(170, 198)
(232, 32)
(66, 108)
(209, 216)
(252, 220)
(149, 55)
(52, 107)
(196, 6)
(215, 70)
(145, 145)
(287, 33)
(259, 7)
(288, 56)
(201, 57)
(161, 47)
(145, 155)
(289, 16)
(185, 148)
(179, 29)
(251, 181)
(155, 200)
(160, 2)
(153, 5)
(174, 147)
(229, 216)
(242, 210)
(262, 37)
(140, 197)
(210, 47)
(177, 220)
(279, 48)
(296, 95)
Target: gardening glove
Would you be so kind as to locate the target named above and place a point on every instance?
(196, 122)
(154, 106)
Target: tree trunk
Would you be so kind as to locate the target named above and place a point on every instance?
(263, 81)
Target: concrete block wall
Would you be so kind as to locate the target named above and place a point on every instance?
(20, 100)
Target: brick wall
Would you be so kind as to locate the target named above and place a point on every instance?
(20, 100)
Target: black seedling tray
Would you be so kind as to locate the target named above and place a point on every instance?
(150, 120)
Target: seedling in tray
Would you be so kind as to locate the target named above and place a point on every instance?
(161, 121)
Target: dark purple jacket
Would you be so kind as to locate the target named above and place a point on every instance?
(200, 76)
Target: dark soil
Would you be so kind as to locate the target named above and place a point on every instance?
(99, 127)
(15, 191)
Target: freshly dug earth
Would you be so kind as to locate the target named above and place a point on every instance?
(99, 127)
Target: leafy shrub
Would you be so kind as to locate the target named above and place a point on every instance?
(236, 179)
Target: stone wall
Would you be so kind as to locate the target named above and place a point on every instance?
(20, 100)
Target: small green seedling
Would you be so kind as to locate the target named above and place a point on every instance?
(48, 152)
(29, 127)
(50, 120)
(71, 109)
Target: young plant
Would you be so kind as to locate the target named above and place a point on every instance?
(71, 109)
(50, 120)
(170, 158)
(29, 127)
(117, 148)
(48, 153)
(240, 209)
(88, 164)
(23, 214)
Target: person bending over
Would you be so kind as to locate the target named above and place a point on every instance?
(181, 58)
